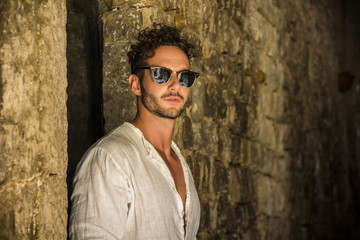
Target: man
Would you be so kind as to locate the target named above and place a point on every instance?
(134, 183)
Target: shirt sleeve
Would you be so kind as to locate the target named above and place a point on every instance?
(100, 198)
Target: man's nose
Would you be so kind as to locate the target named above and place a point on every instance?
(174, 82)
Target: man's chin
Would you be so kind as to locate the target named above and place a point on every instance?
(170, 114)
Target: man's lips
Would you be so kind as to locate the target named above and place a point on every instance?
(173, 97)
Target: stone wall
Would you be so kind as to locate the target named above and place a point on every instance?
(272, 143)
(33, 125)
(269, 141)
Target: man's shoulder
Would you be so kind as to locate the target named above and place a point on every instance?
(118, 147)
(120, 139)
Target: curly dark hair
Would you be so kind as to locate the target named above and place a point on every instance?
(150, 39)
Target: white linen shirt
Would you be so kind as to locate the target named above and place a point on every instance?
(124, 190)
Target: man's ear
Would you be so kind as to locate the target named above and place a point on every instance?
(134, 83)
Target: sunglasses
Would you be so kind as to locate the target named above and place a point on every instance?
(162, 75)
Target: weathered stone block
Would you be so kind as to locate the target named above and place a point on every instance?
(267, 132)
(32, 118)
(264, 189)
(250, 142)
(119, 102)
(240, 187)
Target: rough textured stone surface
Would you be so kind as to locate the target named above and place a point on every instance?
(33, 126)
(273, 145)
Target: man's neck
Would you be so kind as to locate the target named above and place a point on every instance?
(158, 131)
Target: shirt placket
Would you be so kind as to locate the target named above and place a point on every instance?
(188, 196)
(159, 162)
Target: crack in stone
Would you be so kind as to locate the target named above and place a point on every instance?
(39, 177)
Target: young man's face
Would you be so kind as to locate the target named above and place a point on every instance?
(166, 100)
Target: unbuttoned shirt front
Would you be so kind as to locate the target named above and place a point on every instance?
(124, 190)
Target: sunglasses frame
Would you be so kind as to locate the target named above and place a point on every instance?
(178, 74)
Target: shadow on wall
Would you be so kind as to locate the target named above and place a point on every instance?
(85, 120)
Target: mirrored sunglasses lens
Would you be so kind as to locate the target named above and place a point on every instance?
(186, 79)
(161, 75)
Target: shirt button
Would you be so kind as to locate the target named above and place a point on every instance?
(182, 213)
